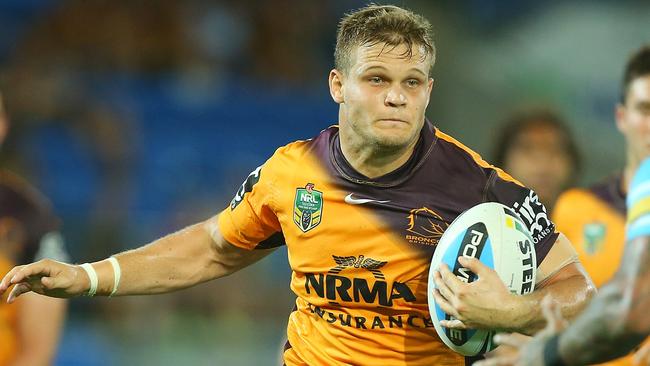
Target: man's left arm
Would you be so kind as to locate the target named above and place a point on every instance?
(486, 303)
(564, 280)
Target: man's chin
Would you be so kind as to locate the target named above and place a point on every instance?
(393, 140)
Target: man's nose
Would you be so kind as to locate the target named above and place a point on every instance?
(395, 97)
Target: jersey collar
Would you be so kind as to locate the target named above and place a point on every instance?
(422, 150)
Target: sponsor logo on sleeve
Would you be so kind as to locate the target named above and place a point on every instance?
(533, 213)
(246, 187)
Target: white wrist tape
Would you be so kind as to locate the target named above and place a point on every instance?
(117, 274)
(93, 278)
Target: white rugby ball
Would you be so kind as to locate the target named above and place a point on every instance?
(494, 234)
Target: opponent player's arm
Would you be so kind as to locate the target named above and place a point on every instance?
(39, 323)
(193, 255)
(617, 319)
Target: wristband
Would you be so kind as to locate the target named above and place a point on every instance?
(117, 274)
(90, 271)
(551, 352)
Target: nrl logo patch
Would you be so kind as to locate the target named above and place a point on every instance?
(307, 207)
(594, 237)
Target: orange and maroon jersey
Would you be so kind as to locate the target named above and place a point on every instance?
(593, 219)
(360, 248)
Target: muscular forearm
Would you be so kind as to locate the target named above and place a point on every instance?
(193, 255)
(188, 257)
(572, 293)
(617, 319)
(176, 261)
(600, 333)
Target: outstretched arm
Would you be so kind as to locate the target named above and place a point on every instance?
(196, 254)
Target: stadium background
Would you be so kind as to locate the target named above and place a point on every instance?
(139, 117)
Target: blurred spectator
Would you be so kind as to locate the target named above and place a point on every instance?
(537, 148)
(29, 329)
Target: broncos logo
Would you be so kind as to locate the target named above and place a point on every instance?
(426, 223)
(370, 264)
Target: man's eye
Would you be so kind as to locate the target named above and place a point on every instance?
(412, 82)
(644, 109)
(375, 80)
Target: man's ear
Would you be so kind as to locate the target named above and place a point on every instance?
(336, 86)
(430, 82)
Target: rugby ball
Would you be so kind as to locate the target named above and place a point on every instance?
(494, 234)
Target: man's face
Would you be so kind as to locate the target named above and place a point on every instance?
(539, 158)
(384, 94)
(633, 118)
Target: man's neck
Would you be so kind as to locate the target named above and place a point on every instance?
(371, 160)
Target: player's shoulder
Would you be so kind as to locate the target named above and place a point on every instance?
(605, 193)
(575, 195)
(299, 148)
(450, 146)
(578, 205)
(456, 152)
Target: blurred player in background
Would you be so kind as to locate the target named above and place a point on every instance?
(594, 218)
(29, 328)
(536, 147)
(360, 208)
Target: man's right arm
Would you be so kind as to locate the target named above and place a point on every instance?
(196, 254)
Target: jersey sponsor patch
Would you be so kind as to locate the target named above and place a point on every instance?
(398, 321)
(534, 215)
(339, 287)
(307, 207)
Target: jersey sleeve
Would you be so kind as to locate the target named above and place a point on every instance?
(504, 189)
(250, 221)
